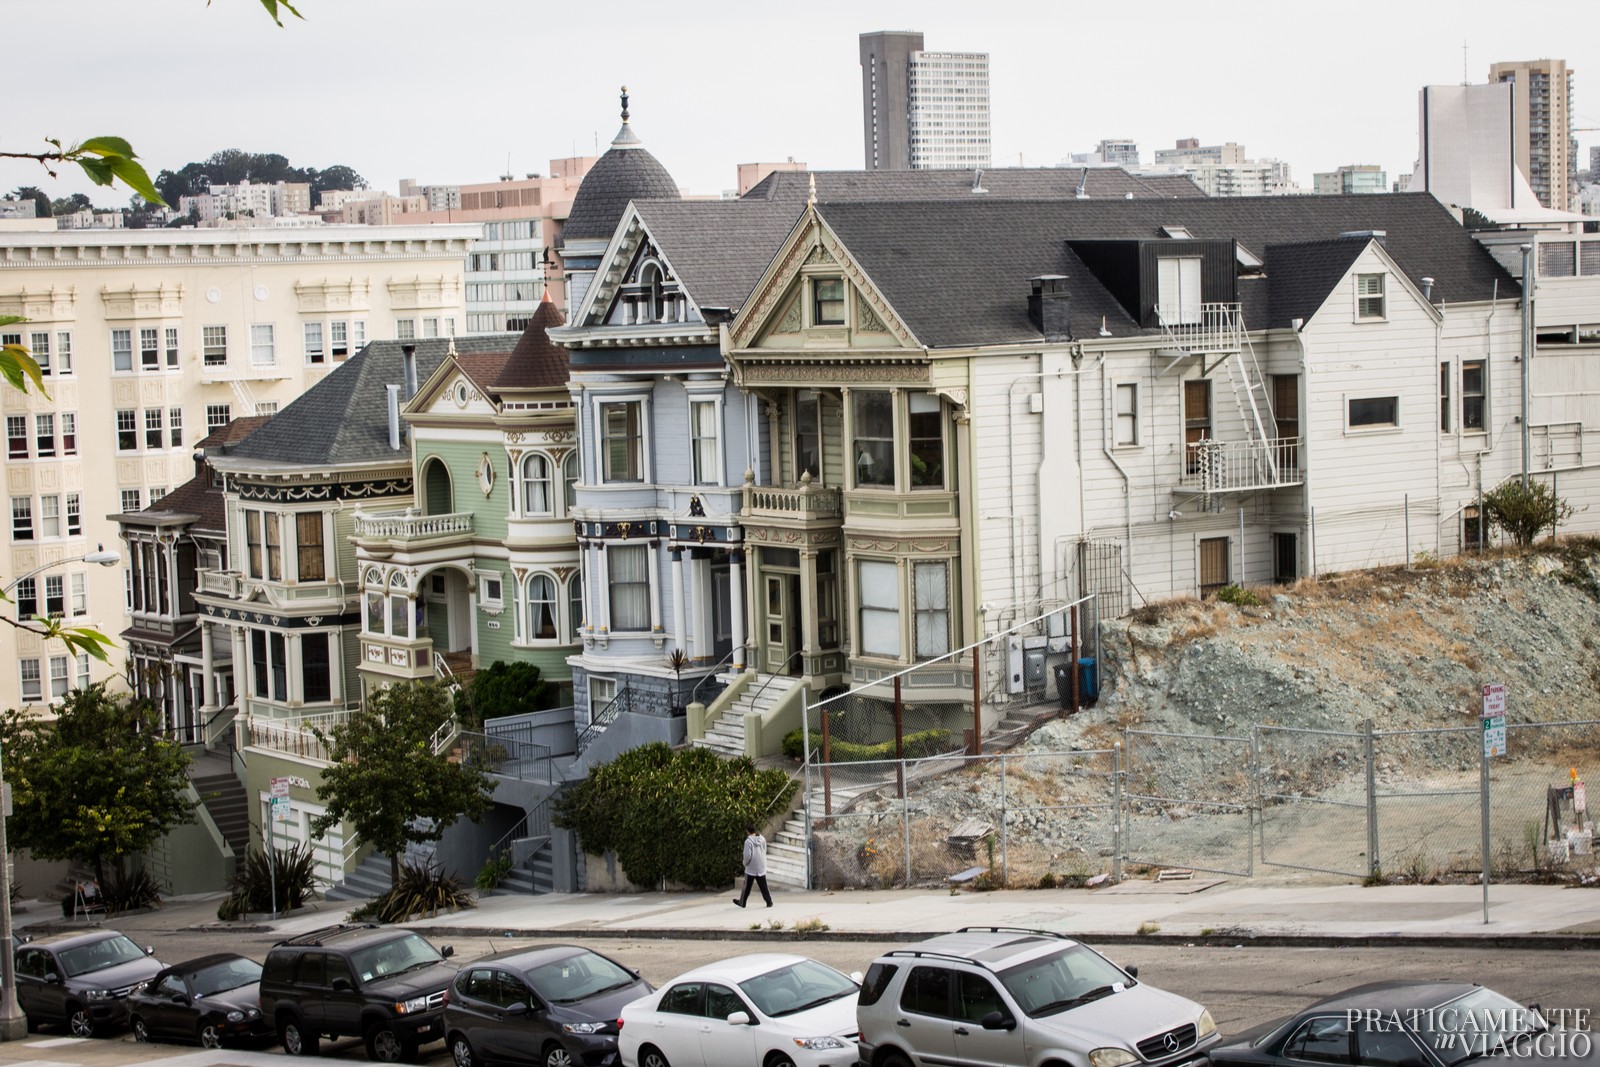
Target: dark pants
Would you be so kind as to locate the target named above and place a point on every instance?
(756, 880)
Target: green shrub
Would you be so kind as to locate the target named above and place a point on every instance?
(295, 879)
(502, 689)
(915, 746)
(423, 889)
(1522, 511)
(794, 744)
(1238, 596)
(673, 814)
(493, 872)
(125, 892)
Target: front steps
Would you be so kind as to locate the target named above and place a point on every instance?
(725, 734)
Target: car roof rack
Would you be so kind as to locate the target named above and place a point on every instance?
(323, 933)
(1058, 935)
(937, 954)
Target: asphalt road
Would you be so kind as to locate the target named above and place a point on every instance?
(1243, 986)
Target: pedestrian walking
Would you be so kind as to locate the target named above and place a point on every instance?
(755, 866)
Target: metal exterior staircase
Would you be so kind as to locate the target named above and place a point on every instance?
(227, 802)
(725, 734)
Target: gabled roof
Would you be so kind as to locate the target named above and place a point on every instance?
(537, 362)
(199, 497)
(718, 248)
(344, 419)
(1301, 277)
(1008, 183)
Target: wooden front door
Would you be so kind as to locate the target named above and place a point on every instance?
(1214, 557)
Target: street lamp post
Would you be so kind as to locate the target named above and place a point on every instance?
(14, 1024)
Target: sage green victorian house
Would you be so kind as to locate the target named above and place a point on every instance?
(482, 565)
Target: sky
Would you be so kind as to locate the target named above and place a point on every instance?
(459, 91)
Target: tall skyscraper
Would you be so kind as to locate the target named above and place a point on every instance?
(922, 110)
(1541, 129)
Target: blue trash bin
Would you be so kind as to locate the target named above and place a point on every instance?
(1088, 680)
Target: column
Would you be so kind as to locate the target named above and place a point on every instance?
(208, 669)
(736, 605)
(679, 607)
(809, 642)
(699, 605)
(653, 569)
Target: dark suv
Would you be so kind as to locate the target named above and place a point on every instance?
(82, 980)
(362, 980)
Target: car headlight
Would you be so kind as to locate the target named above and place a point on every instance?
(97, 994)
(236, 1016)
(1206, 1025)
(406, 1007)
(815, 1043)
(582, 1028)
(1111, 1057)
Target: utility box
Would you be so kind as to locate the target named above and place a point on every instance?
(1033, 653)
(1013, 665)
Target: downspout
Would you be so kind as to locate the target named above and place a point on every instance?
(1527, 355)
(1298, 326)
(1127, 483)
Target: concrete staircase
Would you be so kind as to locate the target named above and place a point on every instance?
(535, 876)
(225, 800)
(369, 879)
(786, 853)
(725, 734)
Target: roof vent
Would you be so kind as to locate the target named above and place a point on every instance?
(409, 357)
(1364, 235)
(1048, 305)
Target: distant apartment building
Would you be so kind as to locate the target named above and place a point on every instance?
(247, 200)
(1351, 178)
(1190, 152)
(438, 197)
(149, 340)
(751, 174)
(922, 110)
(1223, 170)
(25, 208)
(381, 209)
(1541, 127)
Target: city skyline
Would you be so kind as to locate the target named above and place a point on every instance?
(350, 85)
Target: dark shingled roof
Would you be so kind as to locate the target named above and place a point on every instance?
(624, 173)
(719, 248)
(537, 362)
(1007, 183)
(957, 271)
(345, 417)
(198, 496)
(1302, 275)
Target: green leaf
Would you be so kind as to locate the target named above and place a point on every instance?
(17, 364)
(272, 7)
(134, 177)
(98, 170)
(107, 146)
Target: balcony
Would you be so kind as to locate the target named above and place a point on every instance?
(1239, 466)
(295, 736)
(379, 532)
(1219, 330)
(219, 583)
(802, 503)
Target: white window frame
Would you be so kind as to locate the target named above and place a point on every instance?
(74, 505)
(39, 348)
(122, 351)
(69, 433)
(18, 440)
(602, 691)
(30, 682)
(217, 416)
(214, 345)
(604, 401)
(1371, 297)
(78, 594)
(63, 352)
(171, 348)
(263, 345)
(50, 515)
(405, 329)
(1125, 414)
(554, 604)
(885, 614)
(22, 528)
(491, 592)
(316, 349)
(149, 348)
(525, 483)
(1481, 395)
(705, 447)
(1179, 281)
(1369, 428)
(644, 552)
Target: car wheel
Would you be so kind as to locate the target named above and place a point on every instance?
(79, 1022)
(556, 1055)
(384, 1045)
(294, 1039)
(650, 1056)
(461, 1051)
(210, 1036)
(894, 1059)
(778, 1059)
(141, 1030)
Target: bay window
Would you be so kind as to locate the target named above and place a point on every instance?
(541, 618)
(873, 430)
(622, 440)
(630, 587)
(879, 585)
(575, 605)
(925, 431)
(536, 485)
(310, 565)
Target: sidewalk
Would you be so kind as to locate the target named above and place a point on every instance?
(1204, 908)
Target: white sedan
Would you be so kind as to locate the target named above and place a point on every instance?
(771, 1009)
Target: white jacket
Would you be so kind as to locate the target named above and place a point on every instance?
(755, 854)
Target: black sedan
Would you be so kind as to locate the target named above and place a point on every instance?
(82, 980)
(1412, 1024)
(554, 1005)
(214, 1000)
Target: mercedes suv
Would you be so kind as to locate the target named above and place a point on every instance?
(993, 995)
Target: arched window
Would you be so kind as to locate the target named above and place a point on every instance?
(651, 306)
(536, 485)
(575, 605)
(541, 608)
(569, 479)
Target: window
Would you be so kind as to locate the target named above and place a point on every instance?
(1196, 420)
(1369, 296)
(27, 594)
(925, 433)
(214, 345)
(252, 543)
(1178, 290)
(130, 500)
(807, 434)
(170, 335)
(542, 608)
(22, 518)
(69, 433)
(569, 480)
(1444, 398)
(1471, 529)
(1472, 396)
(74, 514)
(622, 441)
(1374, 411)
(630, 587)
(152, 428)
(266, 407)
(575, 605)
(880, 608)
(273, 532)
(80, 594)
(1325, 1040)
(430, 326)
(150, 348)
(50, 516)
(122, 350)
(536, 485)
(602, 691)
(32, 684)
(703, 442)
(127, 430)
(874, 437)
(1127, 414)
(490, 592)
(927, 991)
(175, 427)
(39, 348)
(16, 437)
(339, 340)
(405, 329)
(218, 416)
(315, 352)
(1214, 564)
(358, 333)
(83, 670)
(267, 658)
(55, 594)
(63, 353)
(827, 302)
(315, 678)
(263, 348)
(932, 588)
(309, 557)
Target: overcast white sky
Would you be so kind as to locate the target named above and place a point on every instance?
(450, 91)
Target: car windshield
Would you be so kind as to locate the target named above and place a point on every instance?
(98, 955)
(223, 976)
(1067, 979)
(797, 987)
(1478, 1024)
(408, 953)
(577, 977)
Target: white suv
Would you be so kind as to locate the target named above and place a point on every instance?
(992, 996)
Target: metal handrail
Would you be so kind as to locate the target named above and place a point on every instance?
(789, 780)
(606, 717)
(712, 673)
(773, 677)
(478, 746)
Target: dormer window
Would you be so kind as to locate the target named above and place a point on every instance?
(827, 302)
(1369, 297)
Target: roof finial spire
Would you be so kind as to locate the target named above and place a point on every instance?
(624, 105)
(812, 197)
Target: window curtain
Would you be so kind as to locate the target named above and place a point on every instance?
(880, 608)
(630, 588)
(932, 582)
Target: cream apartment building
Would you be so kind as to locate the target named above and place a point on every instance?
(150, 339)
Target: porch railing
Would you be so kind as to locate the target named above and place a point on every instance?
(1228, 466)
(409, 526)
(505, 756)
(804, 501)
(295, 736)
(222, 583)
(629, 700)
(1219, 328)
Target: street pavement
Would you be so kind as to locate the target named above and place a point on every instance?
(1200, 909)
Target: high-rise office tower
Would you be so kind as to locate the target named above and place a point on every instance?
(1541, 131)
(922, 110)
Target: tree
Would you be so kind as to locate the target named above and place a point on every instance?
(503, 689)
(1524, 510)
(337, 176)
(68, 205)
(386, 780)
(96, 785)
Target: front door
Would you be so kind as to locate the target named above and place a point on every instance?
(782, 608)
(1213, 564)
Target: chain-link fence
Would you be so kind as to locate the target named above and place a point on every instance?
(1370, 803)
